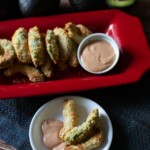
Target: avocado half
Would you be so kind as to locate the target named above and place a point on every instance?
(120, 3)
(38, 7)
(85, 5)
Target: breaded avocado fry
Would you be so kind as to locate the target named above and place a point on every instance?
(71, 117)
(73, 61)
(95, 141)
(7, 53)
(31, 72)
(51, 46)
(74, 32)
(47, 68)
(36, 46)
(20, 43)
(79, 133)
(64, 43)
(77, 33)
(74, 147)
(84, 30)
(92, 143)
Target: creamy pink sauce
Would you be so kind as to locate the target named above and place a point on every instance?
(60, 146)
(97, 56)
(50, 130)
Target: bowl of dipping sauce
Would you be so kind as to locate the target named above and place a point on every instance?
(98, 53)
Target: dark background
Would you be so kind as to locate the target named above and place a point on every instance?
(128, 105)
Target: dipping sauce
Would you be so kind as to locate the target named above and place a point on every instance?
(60, 146)
(50, 130)
(97, 56)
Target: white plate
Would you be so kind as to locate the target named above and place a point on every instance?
(53, 110)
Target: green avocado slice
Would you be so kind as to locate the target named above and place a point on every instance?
(120, 3)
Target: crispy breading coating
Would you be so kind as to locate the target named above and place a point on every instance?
(71, 117)
(36, 46)
(64, 43)
(74, 32)
(84, 30)
(73, 60)
(79, 133)
(77, 33)
(92, 143)
(74, 147)
(47, 68)
(31, 72)
(7, 53)
(20, 43)
(95, 141)
(51, 46)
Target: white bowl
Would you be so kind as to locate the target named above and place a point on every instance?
(53, 109)
(95, 37)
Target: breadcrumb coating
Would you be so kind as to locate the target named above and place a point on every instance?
(71, 117)
(79, 133)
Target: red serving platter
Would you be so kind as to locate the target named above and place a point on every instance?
(125, 29)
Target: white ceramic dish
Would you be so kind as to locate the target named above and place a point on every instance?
(53, 109)
(96, 37)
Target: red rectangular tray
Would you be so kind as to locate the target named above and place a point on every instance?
(125, 29)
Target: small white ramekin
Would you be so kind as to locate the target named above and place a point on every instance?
(96, 37)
